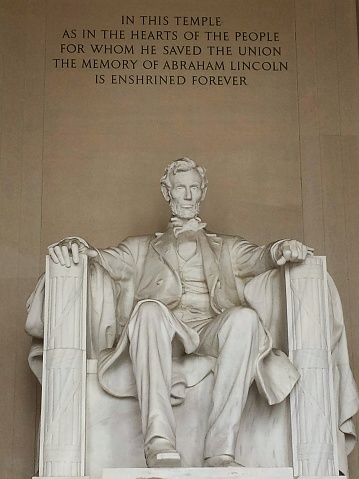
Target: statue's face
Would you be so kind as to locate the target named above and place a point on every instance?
(185, 194)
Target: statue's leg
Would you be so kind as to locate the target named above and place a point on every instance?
(151, 336)
(233, 337)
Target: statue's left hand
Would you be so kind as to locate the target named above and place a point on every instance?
(293, 251)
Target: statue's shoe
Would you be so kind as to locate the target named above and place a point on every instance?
(164, 459)
(223, 460)
(161, 453)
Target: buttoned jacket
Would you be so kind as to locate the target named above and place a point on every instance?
(146, 267)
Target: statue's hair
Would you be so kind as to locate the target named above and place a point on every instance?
(183, 164)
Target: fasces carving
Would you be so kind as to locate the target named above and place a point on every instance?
(62, 444)
(312, 400)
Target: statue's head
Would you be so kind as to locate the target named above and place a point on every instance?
(184, 186)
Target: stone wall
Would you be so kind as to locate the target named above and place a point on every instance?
(82, 157)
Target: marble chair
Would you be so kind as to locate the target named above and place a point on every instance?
(85, 431)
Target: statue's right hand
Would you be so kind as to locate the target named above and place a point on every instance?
(62, 251)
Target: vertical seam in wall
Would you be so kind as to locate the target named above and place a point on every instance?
(341, 143)
(19, 219)
(43, 130)
(349, 319)
(298, 121)
(319, 129)
(2, 81)
(38, 390)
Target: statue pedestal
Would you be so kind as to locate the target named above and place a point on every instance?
(199, 473)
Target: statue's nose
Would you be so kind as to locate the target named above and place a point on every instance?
(188, 195)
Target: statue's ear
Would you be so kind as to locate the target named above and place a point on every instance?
(165, 193)
(204, 191)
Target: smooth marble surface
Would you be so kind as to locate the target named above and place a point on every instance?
(199, 473)
(196, 473)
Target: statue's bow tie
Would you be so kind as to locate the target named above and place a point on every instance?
(181, 226)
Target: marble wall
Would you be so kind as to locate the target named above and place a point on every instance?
(82, 158)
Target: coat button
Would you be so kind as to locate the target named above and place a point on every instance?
(159, 282)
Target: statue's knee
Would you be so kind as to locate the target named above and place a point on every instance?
(150, 313)
(149, 308)
(244, 319)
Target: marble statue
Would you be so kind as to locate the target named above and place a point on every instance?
(190, 313)
(186, 286)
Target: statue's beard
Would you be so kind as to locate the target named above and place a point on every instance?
(184, 211)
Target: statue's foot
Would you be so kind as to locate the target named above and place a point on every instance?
(161, 453)
(224, 460)
(164, 459)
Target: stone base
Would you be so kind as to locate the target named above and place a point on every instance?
(199, 473)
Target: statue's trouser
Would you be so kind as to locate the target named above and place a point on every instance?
(232, 337)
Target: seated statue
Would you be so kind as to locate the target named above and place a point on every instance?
(182, 292)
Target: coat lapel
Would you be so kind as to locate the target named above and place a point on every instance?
(165, 247)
